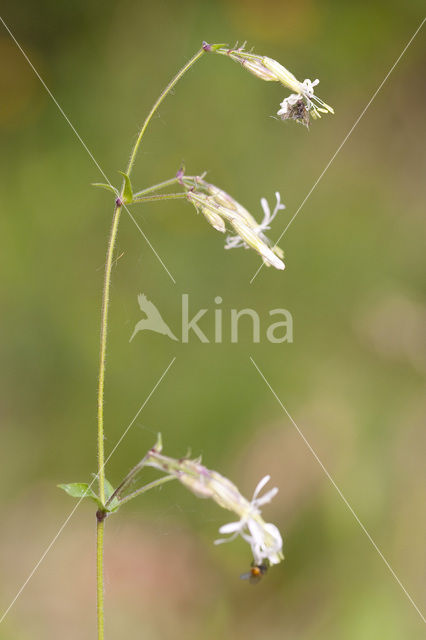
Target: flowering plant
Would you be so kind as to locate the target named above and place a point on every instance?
(222, 211)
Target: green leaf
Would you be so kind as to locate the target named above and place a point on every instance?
(80, 490)
(108, 187)
(213, 47)
(109, 490)
(159, 444)
(127, 191)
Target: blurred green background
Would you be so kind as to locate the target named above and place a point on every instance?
(353, 379)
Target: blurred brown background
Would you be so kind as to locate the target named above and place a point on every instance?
(353, 379)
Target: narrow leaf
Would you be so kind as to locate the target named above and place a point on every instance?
(108, 187)
(109, 490)
(127, 191)
(159, 444)
(79, 490)
(213, 47)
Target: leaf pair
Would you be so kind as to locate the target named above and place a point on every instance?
(83, 490)
(127, 197)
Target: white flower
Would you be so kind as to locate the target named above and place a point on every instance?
(250, 233)
(271, 70)
(294, 108)
(307, 97)
(264, 538)
(307, 91)
(219, 206)
(303, 89)
(287, 104)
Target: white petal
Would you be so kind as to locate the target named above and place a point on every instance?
(256, 532)
(260, 486)
(247, 537)
(231, 527)
(233, 242)
(279, 204)
(257, 555)
(229, 539)
(275, 534)
(267, 497)
(270, 258)
(266, 210)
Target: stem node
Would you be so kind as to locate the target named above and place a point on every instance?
(101, 515)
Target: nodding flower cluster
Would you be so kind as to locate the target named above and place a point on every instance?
(263, 537)
(219, 208)
(299, 105)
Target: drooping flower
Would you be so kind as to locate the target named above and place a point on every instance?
(263, 537)
(233, 242)
(219, 207)
(304, 89)
(301, 103)
(294, 108)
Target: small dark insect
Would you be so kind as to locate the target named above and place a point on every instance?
(255, 574)
(298, 112)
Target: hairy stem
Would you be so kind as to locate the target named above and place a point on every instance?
(102, 352)
(160, 99)
(103, 343)
(100, 573)
(156, 187)
(160, 196)
(147, 487)
(127, 480)
(188, 181)
(101, 450)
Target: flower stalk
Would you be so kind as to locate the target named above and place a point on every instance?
(157, 103)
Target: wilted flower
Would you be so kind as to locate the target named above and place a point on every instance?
(303, 89)
(270, 70)
(263, 537)
(218, 206)
(294, 108)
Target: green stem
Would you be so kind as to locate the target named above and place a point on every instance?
(190, 181)
(157, 104)
(101, 450)
(161, 196)
(102, 352)
(103, 343)
(100, 575)
(127, 480)
(147, 487)
(156, 187)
